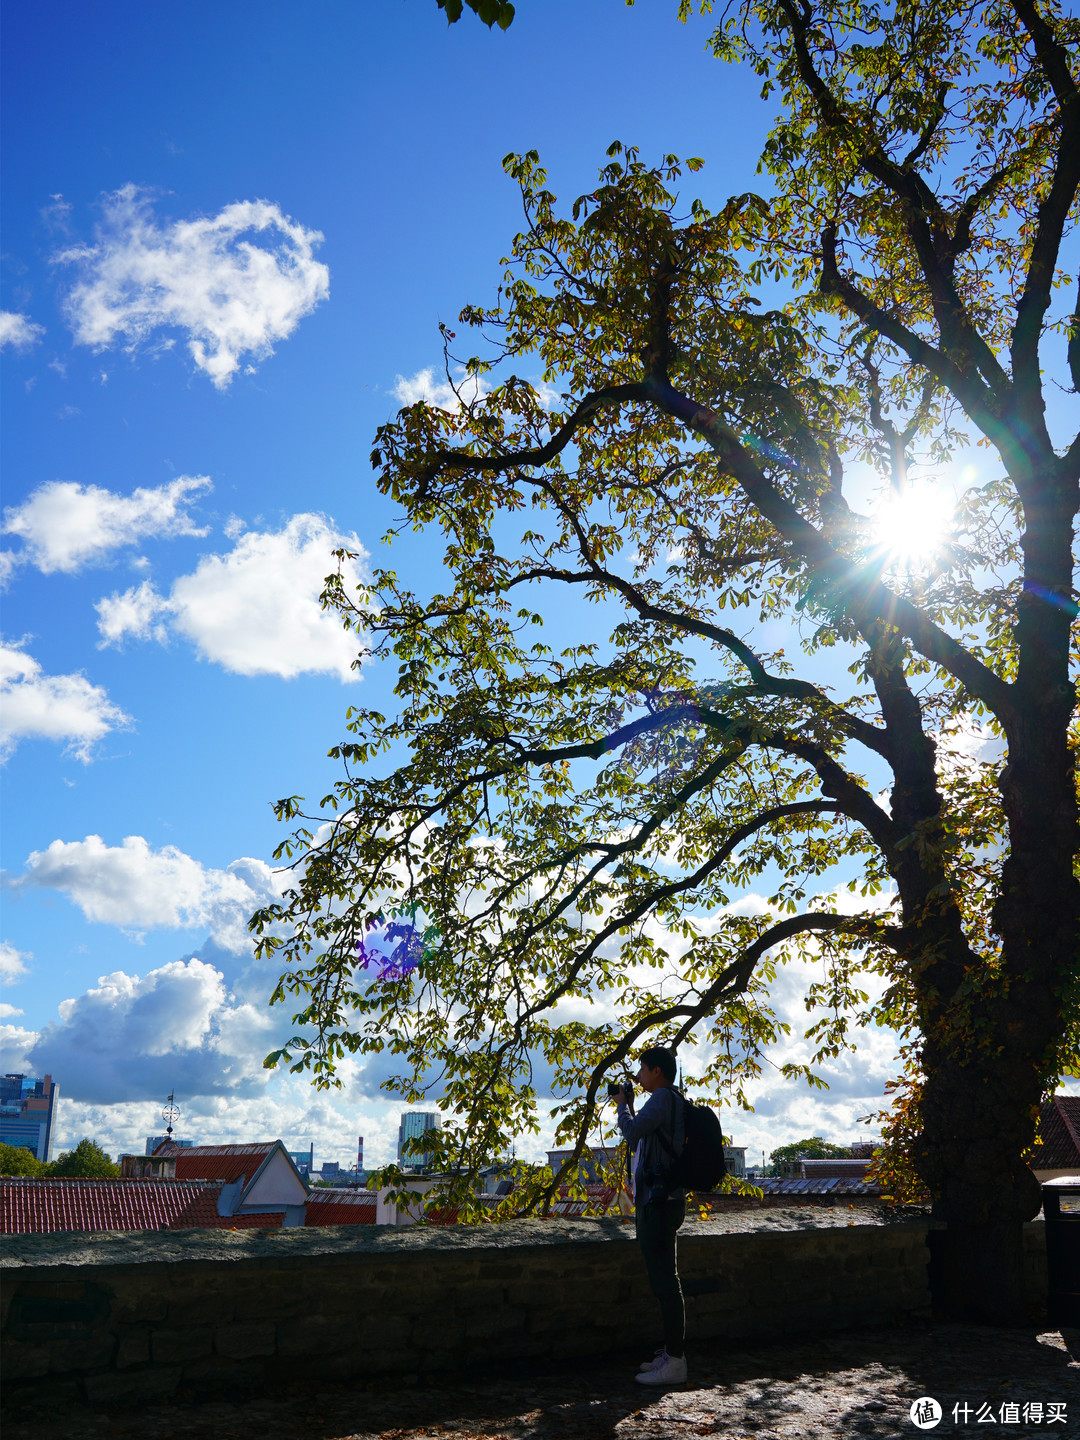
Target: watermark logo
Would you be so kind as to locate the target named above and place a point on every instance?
(925, 1413)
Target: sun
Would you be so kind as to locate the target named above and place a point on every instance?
(910, 527)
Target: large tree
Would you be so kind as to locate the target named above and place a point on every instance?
(569, 823)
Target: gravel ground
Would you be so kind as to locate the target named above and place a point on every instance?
(855, 1385)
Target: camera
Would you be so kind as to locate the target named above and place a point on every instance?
(625, 1084)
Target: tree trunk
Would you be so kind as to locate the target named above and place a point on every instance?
(978, 1117)
(977, 1273)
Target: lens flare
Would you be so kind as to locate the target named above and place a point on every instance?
(911, 527)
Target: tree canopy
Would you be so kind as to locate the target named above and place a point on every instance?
(87, 1160)
(567, 821)
(815, 1148)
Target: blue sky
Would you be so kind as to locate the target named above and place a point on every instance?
(186, 430)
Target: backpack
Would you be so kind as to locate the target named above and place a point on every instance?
(700, 1165)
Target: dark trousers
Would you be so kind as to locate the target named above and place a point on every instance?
(656, 1223)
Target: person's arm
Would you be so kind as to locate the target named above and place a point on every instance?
(653, 1114)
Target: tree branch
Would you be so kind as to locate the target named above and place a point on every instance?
(866, 599)
(764, 683)
(1051, 54)
(458, 459)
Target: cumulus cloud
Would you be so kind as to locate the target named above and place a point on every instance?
(255, 610)
(16, 1043)
(437, 390)
(65, 526)
(138, 888)
(135, 1037)
(18, 331)
(12, 966)
(51, 707)
(234, 283)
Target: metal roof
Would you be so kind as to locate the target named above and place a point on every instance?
(835, 1185)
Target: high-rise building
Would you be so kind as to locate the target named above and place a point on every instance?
(153, 1141)
(414, 1125)
(27, 1113)
(304, 1160)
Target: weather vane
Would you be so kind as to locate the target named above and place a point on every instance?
(170, 1113)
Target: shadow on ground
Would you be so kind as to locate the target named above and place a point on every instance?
(857, 1385)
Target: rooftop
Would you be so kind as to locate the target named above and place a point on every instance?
(1059, 1125)
(40, 1207)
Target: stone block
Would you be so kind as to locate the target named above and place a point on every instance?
(250, 1302)
(176, 1347)
(24, 1361)
(494, 1324)
(134, 1386)
(499, 1271)
(243, 1342)
(190, 1311)
(314, 1335)
(215, 1374)
(468, 1298)
(134, 1349)
(92, 1350)
(136, 1305)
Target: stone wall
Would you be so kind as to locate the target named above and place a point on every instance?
(117, 1318)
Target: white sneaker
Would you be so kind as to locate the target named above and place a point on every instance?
(669, 1370)
(656, 1360)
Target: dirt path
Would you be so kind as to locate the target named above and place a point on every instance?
(840, 1386)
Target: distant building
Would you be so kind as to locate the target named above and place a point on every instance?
(1059, 1132)
(834, 1169)
(184, 1187)
(414, 1125)
(256, 1179)
(589, 1165)
(304, 1160)
(28, 1113)
(153, 1141)
(735, 1161)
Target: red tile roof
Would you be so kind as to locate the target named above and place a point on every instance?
(46, 1206)
(340, 1209)
(1059, 1128)
(217, 1162)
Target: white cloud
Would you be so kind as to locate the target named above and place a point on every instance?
(134, 1037)
(51, 707)
(134, 614)
(233, 295)
(138, 888)
(16, 1044)
(11, 963)
(7, 1011)
(255, 610)
(438, 391)
(411, 389)
(18, 331)
(66, 526)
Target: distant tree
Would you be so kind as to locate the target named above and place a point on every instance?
(87, 1160)
(573, 821)
(17, 1160)
(815, 1148)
